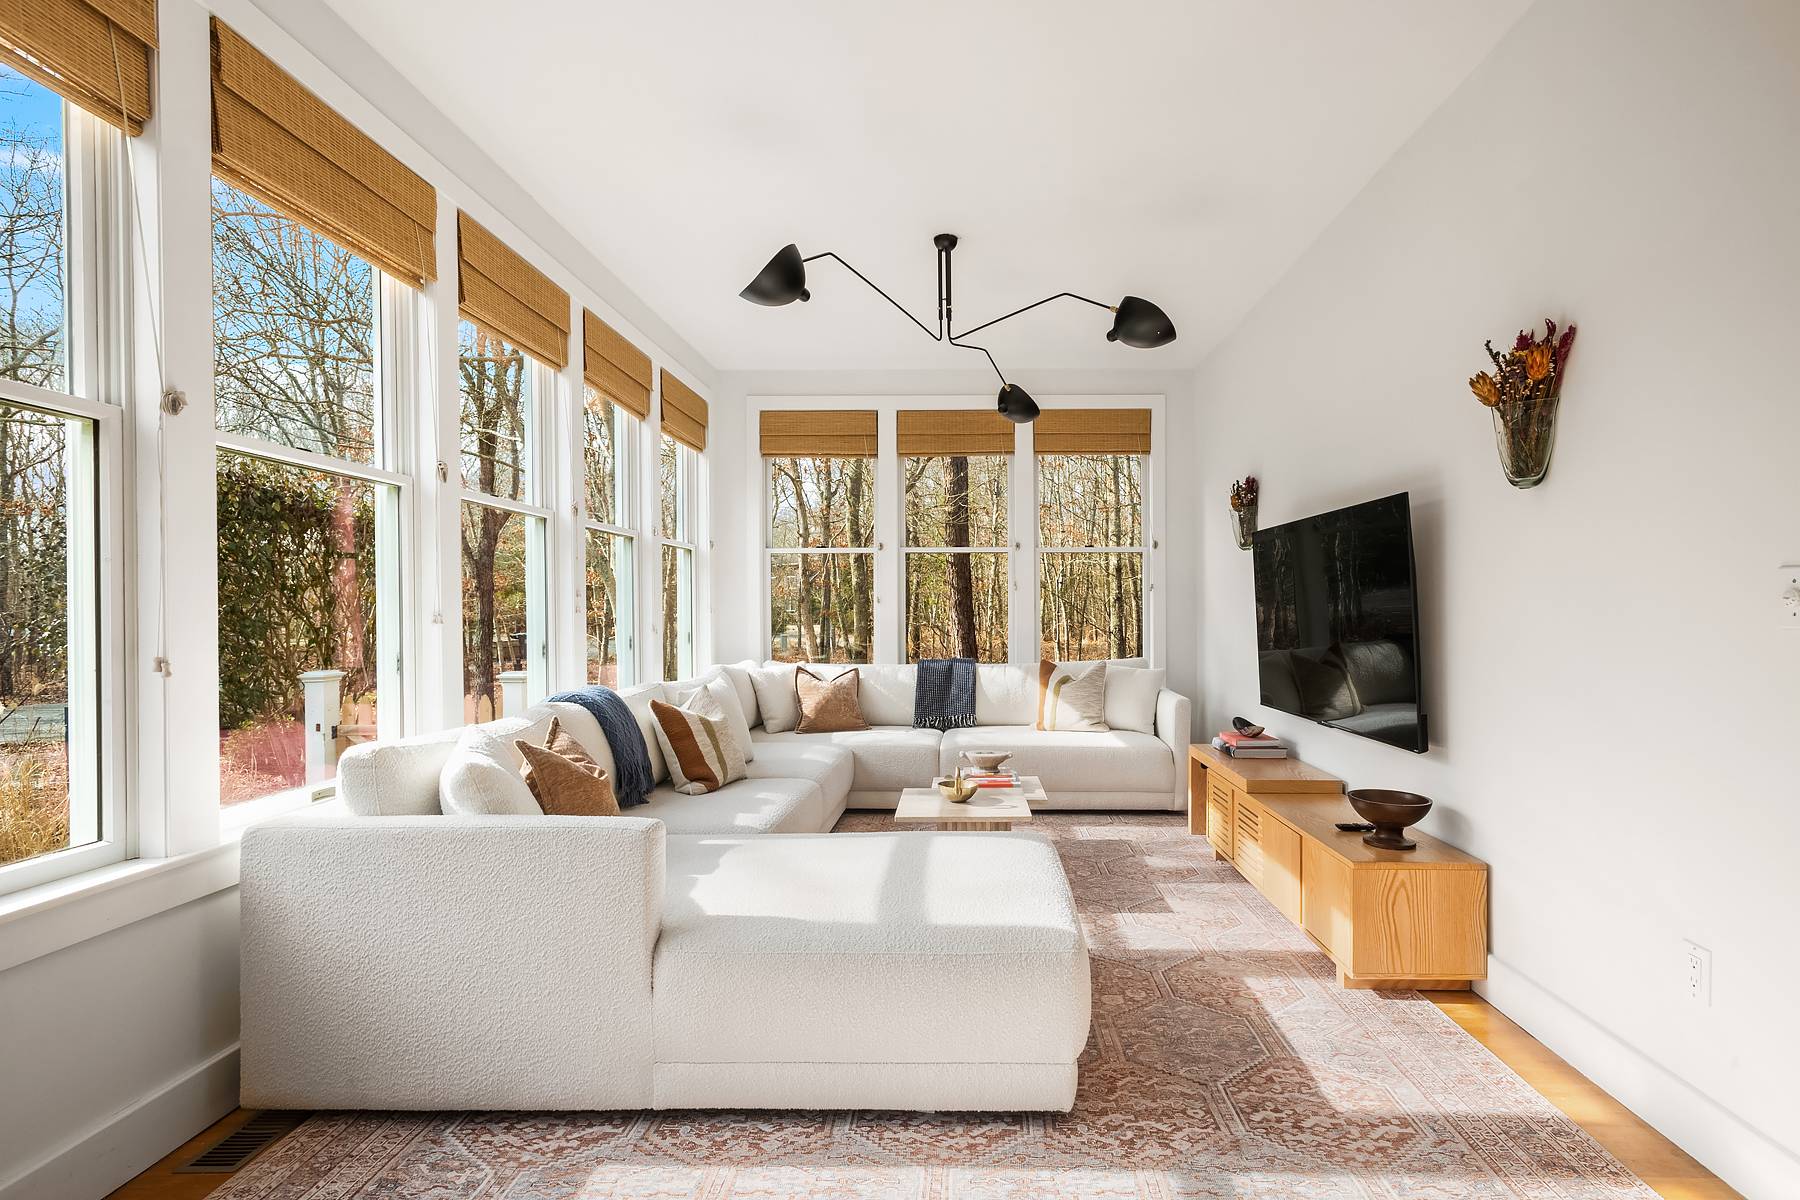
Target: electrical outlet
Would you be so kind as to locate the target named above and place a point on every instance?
(1699, 974)
(1788, 588)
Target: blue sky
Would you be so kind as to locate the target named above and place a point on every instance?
(26, 103)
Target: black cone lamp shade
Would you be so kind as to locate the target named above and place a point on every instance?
(1017, 406)
(783, 281)
(1138, 323)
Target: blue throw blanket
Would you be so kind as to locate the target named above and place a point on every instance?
(944, 697)
(633, 778)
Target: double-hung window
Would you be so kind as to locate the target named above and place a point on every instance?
(610, 437)
(309, 498)
(505, 526)
(616, 388)
(954, 467)
(821, 546)
(1092, 545)
(679, 463)
(61, 371)
(320, 239)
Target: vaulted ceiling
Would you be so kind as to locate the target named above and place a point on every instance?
(1183, 150)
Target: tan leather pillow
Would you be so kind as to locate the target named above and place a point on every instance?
(829, 705)
(564, 779)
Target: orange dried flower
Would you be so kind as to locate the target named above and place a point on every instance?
(1485, 389)
(1537, 361)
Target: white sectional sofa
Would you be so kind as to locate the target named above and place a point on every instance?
(699, 951)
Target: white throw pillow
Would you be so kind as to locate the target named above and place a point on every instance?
(481, 777)
(1072, 697)
(1131, 697)
(740, 675)
(722, 703)
(776, 697)
(638, 699)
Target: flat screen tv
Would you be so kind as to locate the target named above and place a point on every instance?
(1337, 621)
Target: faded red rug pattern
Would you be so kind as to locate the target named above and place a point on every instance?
(1224, 1062)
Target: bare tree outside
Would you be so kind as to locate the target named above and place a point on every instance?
(956, 601)
(608, 565)
(294, 326)
(34, 508)
(495, 385)
(673, 472)
(822, 605)
(1091, 569)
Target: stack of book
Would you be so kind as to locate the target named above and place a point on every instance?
(987, 779)
(1239, 745)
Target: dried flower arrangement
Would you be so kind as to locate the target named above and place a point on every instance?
(1522, 391)
(1243, 511)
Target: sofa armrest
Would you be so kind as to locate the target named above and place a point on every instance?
(1174, 725)
(433, 962)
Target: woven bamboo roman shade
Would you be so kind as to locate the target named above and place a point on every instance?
(84, 50)
(508, 297)
(683, 413)
(960, 431)
(1093, 431)
(291, 150)
(614, 367)
(846, 434)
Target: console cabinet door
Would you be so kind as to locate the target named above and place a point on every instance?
(1281, 867)
(1327, 909)
(1196, 796)
(1219, 815)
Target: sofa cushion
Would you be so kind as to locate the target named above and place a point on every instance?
(888, 757)
(397, 778)
(1131, 697)
(741, 675)
(578, 723)
(776, 699)
(1072, 696)
(722, 702)
(828, 704)
(747, 806)
(638, 699)
(869, 948)
(702, 752)
(481, 778)
(1116, 760)
(833, 768)
(1005, 695)
(565, 781)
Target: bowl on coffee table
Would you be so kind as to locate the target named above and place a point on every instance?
(986, 760)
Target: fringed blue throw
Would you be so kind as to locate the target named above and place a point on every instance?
(944, 697)
(631, 758)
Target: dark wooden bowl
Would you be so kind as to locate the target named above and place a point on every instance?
(1390, 812)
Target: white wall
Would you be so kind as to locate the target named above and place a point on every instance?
(737, 553)
(1632, 167)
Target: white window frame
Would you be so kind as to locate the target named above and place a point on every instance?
(398, 312)
(1144, 550)
(98, 351)
(907, 550)
(542, 399)
(686, 539)
(770, 552)
(630, 430)
(1024, 602)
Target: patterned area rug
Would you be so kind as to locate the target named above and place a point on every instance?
(1224, 1061)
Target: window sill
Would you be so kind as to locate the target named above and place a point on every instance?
(64, 912)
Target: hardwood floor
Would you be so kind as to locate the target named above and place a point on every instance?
(1668, 1169)
(1670, 1172)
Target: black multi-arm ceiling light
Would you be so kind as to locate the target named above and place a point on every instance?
(1136, 321)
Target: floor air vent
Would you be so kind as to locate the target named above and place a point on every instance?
(233, 1151)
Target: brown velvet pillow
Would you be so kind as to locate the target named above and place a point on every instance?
(829, 705)
(564, 779)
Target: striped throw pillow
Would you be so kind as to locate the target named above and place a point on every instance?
(1072, 697)
(702, 754)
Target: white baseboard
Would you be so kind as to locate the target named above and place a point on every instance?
(1728, 1147)
(93, 1163)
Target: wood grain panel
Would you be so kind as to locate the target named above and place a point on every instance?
(1281, 867)
(1261, 776)
(1325, 901)
(1196, 795)
(1419, 924)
